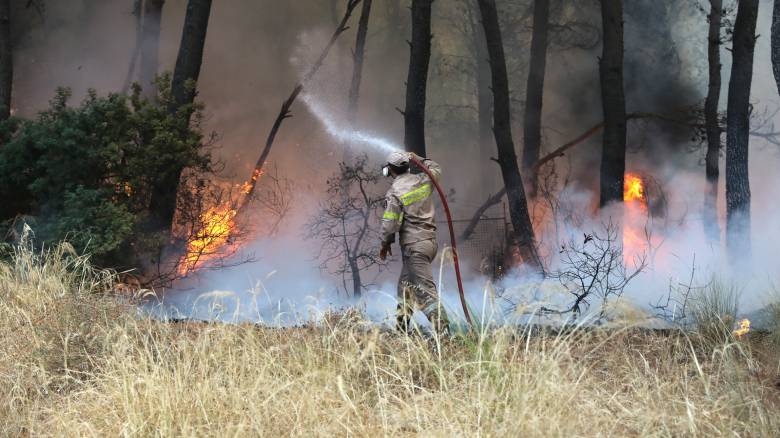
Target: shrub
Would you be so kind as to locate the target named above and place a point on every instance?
(86, 173)
(713, 310)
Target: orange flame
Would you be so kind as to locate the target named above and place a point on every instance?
(634, 220)
(247, 186)
(744, 328)
(217, 226)
(633, 188)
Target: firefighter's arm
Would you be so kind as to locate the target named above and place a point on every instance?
(391, 219)
(431, 165)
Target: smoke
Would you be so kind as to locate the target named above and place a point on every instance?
(255, 53)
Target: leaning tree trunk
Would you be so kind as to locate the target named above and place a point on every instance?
(738, 131)
(417, 79)
(532, 122)
(357, 61)
(6, 60)
(712, 125)
(185, 75)
(138, 7)
(776, 43)
(507, 159)
(150, 44)
(613, 154)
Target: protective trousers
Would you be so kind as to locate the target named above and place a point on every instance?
(416, 289)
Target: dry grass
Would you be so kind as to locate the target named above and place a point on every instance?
(76, 364)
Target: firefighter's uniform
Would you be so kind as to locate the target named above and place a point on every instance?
(410, 213)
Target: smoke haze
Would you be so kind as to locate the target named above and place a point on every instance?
(257, 50)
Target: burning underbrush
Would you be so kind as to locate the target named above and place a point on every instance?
(214, 219)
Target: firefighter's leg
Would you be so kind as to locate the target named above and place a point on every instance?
(405, 307)
(420, 256)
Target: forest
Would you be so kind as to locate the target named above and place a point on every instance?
(362, 217)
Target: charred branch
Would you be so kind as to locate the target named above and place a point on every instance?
(594, 270)
(348, 225)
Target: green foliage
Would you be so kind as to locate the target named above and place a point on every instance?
(86, 173)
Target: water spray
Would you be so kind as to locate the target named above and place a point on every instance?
(335, 129)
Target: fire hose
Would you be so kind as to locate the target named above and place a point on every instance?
(444, 204)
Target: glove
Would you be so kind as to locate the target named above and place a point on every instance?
(415, 156)
(385, 251)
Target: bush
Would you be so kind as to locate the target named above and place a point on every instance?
(713, 310)
(86, 173)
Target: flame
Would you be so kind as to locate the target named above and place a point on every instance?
(247, 186)
(744, 328)
(217, 226)
(633, 188)
(635, 218)
(217, 229)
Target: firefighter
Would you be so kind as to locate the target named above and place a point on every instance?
(409, 212)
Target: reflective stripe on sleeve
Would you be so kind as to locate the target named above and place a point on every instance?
(389, 215)
(415, 195)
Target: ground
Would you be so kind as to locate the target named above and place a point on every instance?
(74, 361)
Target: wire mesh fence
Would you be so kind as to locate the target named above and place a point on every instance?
(483, 252)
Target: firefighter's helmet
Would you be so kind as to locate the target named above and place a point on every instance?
(398, 159)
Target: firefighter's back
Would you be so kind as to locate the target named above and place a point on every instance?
(414, 191)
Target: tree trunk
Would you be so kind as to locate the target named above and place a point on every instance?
(776, 43)
(357, 58)
(507, 159)
(738, 131)
(613, 154)
(163, 201)
(532, 122)
(712, 125)
(150, 45)
(357, 283)
(6, 60)
(138, 6)
(484, 100)
(417, 79)
(190, 57)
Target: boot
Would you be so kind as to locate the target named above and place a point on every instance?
(439, 321)
(402, 320)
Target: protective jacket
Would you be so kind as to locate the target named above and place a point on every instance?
(409, 209)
